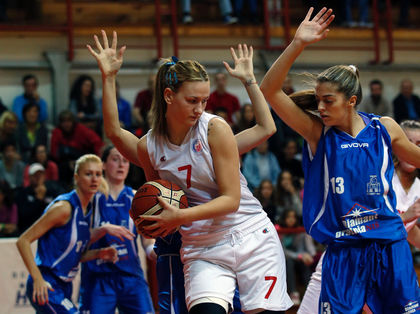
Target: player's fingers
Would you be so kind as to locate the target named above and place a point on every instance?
(121, 52)
(114, 40)
(105, 39)
(329, 20)
(34, 296)
(325, 16)
(46, 295)
(162, 202)
(319, 14)
(228, 68)
(251, 52)
(234, 56)
(92, 52)
(240, 51)
(308, 15)
(246, 52)
(98, 44)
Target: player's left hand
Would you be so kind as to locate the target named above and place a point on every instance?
(412, 213)
(165, 223)
(108, 254)
(120, 232)
(244, 68)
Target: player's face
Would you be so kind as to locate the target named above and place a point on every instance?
(413, 136)
(89, 177)
(116, 166)
(333, 106)
(187, 105)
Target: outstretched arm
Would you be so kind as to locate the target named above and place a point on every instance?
(308, 32)
(265, 127)
(401, 146)
(110, 61)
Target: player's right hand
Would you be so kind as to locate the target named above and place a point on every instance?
(412, 213)
(40, 293)
(109, 60)
(311, 31)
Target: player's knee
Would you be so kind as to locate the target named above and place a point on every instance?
(207, 308)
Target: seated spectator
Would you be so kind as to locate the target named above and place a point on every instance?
(244, 18)
(289, 160)
(30, 95)
(288, 193)
(221, 98)
(260, 164)
(221, 112)
(124, 110)
(143, 103)
(265, 194)
(69, 141)
(8, 211)
(8, 127)
(83, 103)
(363, 14)
(376, 103)
(33, 199)
(11, 167)
(299, 250)
(31, 132)
(246, 119)
(225, 9)
(39, 155)
(406, 104)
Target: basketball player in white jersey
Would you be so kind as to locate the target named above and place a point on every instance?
(227, 238)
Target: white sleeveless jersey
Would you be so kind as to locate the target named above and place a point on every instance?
(190, 165)
(405, 200)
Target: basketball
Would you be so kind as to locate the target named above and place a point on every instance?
(145, 201)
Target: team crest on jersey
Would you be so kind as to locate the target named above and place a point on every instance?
(358, 219)
(373, 187)
(197, 146)
(163, 158)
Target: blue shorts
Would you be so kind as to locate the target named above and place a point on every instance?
(59, 300)
(380, 275)
(104, 292)
(171, 292)
(171, 295)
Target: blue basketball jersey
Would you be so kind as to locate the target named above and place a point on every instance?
(169, 245)
(348, 191)
(61, 248)
(108, 210)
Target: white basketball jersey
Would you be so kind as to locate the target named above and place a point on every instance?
(405, 200)
(190, 165)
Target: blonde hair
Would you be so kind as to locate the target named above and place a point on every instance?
(172, 74)
(83, 160)
(345, 78)
(7, 115)
(410, 124)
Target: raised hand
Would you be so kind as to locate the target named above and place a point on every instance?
(120, 232)
(40, 291)
(109, 60)
(315, 29)
(244, 68)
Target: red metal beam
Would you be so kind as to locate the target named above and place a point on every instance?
(158, 25)
(70, 30)
(174, 28)
(375, 15)
(389, 34)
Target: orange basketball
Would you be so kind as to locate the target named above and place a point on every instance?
(145, 200)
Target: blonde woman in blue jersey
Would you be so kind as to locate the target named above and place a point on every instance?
(63, 234)
(349, 203)
(226, 236)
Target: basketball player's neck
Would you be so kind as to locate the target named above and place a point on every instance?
(177, 135)
(84, 199)
(353, 124)
(115, 187)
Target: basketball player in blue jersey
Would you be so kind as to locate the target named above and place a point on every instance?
(226, 236)
(407, 192)
(349, 203)
(63, 234)
(106, 286)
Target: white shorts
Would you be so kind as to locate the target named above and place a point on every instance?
(254, 261)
